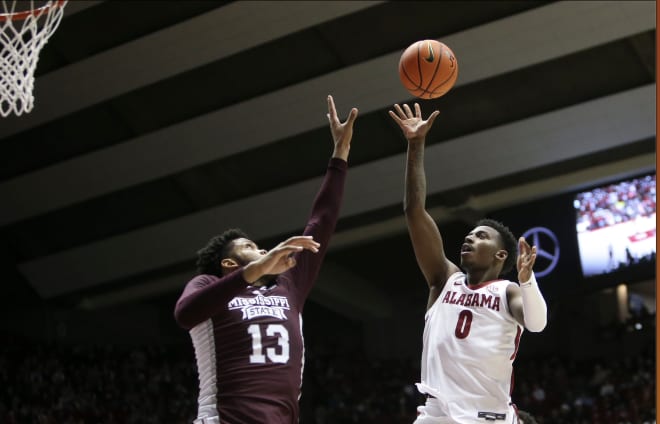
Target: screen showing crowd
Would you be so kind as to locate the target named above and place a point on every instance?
(616, 225)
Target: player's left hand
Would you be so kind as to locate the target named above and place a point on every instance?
(342, 132)
(526, 259)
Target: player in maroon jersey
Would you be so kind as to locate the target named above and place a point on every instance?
(243, 310)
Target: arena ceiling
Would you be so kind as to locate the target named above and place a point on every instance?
(160, 123)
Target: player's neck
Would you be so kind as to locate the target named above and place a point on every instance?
(266, 280)
(477, 277)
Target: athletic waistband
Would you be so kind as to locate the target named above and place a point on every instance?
(207, 420)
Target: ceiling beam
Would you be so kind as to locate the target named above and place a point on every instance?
(215, 35)
(301, 107)
(345, 293)
(499, 199)
(336, 288)
(72, 7)
(535, 142)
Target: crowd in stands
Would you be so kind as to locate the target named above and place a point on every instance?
(50, 383)
(343, 389)
(616, 203)
(614, 391)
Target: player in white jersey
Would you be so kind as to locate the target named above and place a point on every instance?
(474, 319)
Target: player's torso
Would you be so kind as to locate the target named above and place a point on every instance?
(470, 340)
(256, 349)
(473, 322)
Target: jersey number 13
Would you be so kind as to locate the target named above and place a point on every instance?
(281, 355)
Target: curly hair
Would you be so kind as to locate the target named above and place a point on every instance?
(209, 257)
(509, 240)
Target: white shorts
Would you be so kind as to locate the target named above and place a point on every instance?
(432, 413)
(207, 420)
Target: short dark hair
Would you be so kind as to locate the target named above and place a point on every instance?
(526, 417)
(509, 240)
(209, 257)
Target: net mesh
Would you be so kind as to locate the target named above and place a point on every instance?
(25, 28)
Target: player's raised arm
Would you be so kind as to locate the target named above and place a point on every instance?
(526, 303)
(327, 203)
(424, 233)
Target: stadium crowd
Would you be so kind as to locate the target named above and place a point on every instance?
(616, 203)
(51, 383)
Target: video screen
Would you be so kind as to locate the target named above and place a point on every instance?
(616, 225)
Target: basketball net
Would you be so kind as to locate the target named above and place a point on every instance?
(24, 30)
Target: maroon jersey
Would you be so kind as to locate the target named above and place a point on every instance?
(248, 340)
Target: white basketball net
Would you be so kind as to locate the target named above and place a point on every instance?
(24, 29)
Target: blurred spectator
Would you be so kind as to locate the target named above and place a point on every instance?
(46, 383)
(616, 203)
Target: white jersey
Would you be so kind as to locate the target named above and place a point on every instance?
(470, 342)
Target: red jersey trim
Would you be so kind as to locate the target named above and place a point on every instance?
(484, 284)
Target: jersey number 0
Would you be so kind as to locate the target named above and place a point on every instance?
(463, 324)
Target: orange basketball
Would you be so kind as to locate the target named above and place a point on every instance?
(428, 69)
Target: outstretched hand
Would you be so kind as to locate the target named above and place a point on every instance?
(280, 258)
(413, 126)
(342, 132)
(526, 259)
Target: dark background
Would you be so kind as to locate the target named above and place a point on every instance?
(158, 124)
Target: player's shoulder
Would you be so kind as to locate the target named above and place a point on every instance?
(510, 288)
(456, 277)
(507, 284)
(503, 282)
(202, 280)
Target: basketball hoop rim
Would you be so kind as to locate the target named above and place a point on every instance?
(20, 16)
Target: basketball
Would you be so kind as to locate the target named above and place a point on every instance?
(428, 69)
